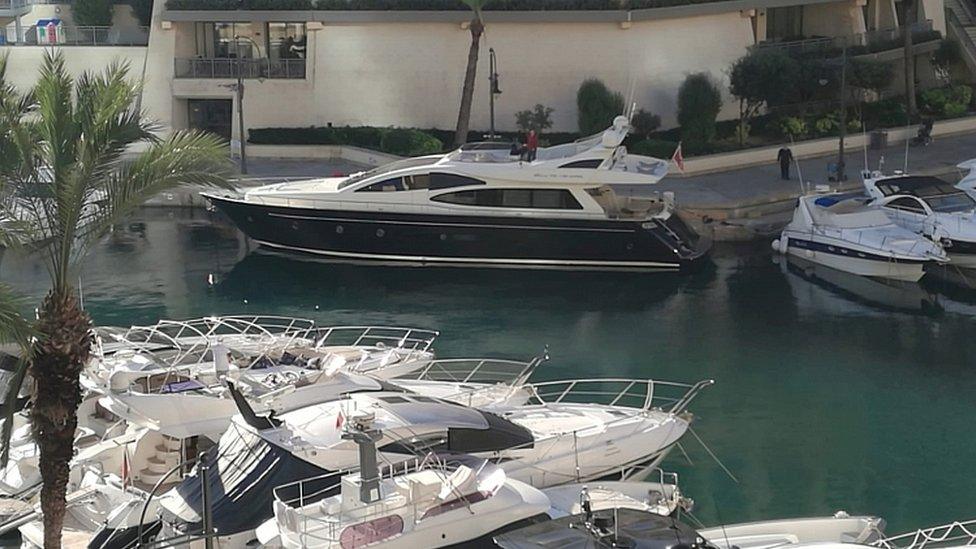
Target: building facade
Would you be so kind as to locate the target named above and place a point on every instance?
(406, 68)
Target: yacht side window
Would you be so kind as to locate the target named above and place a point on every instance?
(907, 204)
(387, 185)
(589, 163)
(548, 199)
(448, 180)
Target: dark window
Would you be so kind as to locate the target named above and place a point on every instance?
(415, 182)
(395, 184)
(419, 445)
(500, 435)
(393, 399)
(550, 199)
(591, 163)
(907, 204)
(448, 180)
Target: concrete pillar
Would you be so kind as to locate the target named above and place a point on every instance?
(934, 10)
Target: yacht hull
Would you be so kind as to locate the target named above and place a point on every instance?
(849, 260)
(467, 240)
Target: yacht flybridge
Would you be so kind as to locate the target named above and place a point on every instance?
(581, 205)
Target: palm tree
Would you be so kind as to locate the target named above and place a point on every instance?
(68, 164)
(477, 28)
(911, 14)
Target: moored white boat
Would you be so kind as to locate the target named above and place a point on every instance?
(842, 232)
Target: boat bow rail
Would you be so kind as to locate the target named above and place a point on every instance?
(642, 394)
(404, 338)
(955, 534)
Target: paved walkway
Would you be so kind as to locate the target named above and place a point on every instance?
(759, 184)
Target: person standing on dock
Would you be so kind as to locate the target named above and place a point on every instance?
(531, 144)
(785, 157)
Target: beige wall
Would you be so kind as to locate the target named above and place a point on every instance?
(25, 61)
(410, 74)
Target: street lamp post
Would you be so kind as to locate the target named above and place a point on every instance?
(242, 138)
(841, 176)
(493, 89)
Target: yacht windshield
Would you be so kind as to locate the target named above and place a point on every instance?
(387, 168)
(951, 203)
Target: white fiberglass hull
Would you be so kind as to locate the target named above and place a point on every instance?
(848, 261)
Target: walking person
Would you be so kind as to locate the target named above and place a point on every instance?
(785, 157)
(532, 144)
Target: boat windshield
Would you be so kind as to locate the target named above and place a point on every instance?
(387, 168)
(951, 203)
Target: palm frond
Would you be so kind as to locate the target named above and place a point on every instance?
(14, 328)
(192, 158)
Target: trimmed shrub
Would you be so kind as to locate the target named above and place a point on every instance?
(657, 148)
(142, 10)
(763, 77)
(409, 142)
(954, 110)
(597, 106)
(92, 13)
(792, 126)
(827, 124)
(645, 123)
(699, 102)
(537, 118)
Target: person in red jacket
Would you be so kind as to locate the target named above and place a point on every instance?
(531, 144)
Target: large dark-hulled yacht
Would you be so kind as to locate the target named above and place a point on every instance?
(582, 205)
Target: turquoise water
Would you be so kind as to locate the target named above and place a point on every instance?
(829, 394)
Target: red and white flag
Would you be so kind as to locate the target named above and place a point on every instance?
(678, 159)
(340, 419)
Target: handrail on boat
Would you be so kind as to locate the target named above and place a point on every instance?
(476, 370)
(640, 393)
(415, 339)
(951, 533)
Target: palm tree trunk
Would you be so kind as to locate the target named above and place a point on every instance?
(911, 9)
(467, 92)
(62, 349)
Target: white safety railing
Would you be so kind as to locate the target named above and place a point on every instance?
(955, 534)
(640, 394)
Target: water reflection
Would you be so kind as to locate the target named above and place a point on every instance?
(831, 291)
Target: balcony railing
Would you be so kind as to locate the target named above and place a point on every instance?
(86, 36)
(865, 42)
(247, 68)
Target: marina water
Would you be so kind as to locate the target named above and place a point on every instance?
(831, 392)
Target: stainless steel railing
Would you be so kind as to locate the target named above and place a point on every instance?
(286, 69)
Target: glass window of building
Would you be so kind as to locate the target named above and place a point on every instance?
(226, 40)
(287, 41)
(783, 24)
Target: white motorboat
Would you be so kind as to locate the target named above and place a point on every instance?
(642, 530)
(113, 478)
(438, 501)
(843, 232)
(930, 207)
(558, 437)
(183, 409)
(571, 208)
(166, 356)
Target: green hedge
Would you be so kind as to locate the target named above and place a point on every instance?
(426, 5)
(400, 141)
